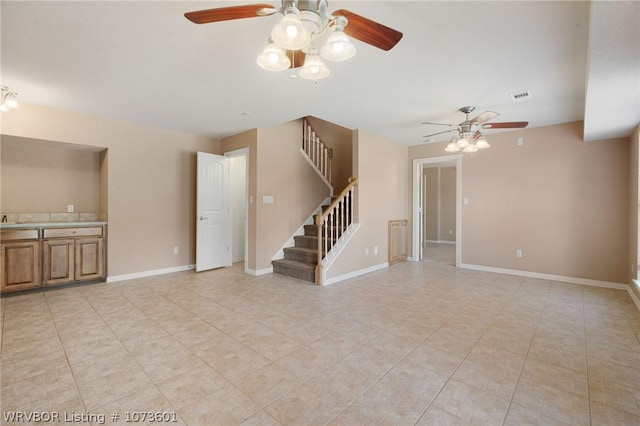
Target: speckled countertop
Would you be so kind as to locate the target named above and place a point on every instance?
(48, 225)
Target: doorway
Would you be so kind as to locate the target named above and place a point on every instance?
(437, 213)
(239, 182)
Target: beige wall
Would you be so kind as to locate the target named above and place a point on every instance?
(276, 169)
(562, 201)
(151, 182)
(381, 167)
(339, 139)
(42, 177)
(634, 210)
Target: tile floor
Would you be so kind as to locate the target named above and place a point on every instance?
(440, 252)
(418, 343)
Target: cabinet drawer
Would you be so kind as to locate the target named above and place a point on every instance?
(18, 234)
(72, 232)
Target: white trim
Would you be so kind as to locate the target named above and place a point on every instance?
(144, 274)
(259, 272)
(418, 164)
(632, 293)
(357, 273)
(550, 277)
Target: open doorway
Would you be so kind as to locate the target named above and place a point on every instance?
(438, 213)
(437, 209)
(239, 178)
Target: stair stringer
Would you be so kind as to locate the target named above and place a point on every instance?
(279, 255)
(336, 250)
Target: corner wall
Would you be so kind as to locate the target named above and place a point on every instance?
(381, 167)
(562, 201)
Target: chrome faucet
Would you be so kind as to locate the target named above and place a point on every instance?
(4, 218)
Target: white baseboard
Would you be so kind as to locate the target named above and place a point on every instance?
(440, 241)
(259, 272)
(144, 274)
(357, 273)
(551, 277)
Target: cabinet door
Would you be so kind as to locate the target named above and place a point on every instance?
(89, 254)
(58, 261)
(21, 265)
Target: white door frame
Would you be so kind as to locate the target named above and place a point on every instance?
(418, 164)
(240, 153)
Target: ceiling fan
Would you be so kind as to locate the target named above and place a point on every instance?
(295, 39)
(469, 137)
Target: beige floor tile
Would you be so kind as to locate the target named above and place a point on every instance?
(261, 418)
(551, 402)
(607, 391)
(192, 385)
(436, 416)
(519, 416)
(434, 359)
(603, 415)
(472, 405)
(98, 367)
(540, 373)
(107, 389)
(267, 384)
(226, 406)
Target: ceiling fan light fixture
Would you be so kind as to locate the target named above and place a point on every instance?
(470, 148)
(463, 142)
(482, 143)
(452, 147)
(8, 99)
(273, 58)
(338, 47)
(314, 68)
(290, 33)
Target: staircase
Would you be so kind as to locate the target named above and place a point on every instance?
(317, 245)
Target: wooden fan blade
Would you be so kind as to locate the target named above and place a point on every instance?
(485, 116)
(506, 125)
(439, 133)
(229, 13)
(296, 57)
(369, 31)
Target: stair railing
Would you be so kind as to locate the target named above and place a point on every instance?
(319, 155)
(333, 223)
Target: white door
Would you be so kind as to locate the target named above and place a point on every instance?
(213, 221)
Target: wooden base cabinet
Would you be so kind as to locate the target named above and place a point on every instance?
(20, 265)
(58, 261)
(89, 258)
(73, 254)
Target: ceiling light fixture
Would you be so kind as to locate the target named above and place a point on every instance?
(468, 142)
(303, 30)
(9, 99)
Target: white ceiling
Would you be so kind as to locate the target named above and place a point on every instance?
(144, 62)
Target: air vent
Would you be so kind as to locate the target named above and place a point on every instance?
(521, 96)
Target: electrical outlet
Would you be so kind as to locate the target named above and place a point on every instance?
(375, 250)
(366, 251)
(518, 253)
(520, 141)
(70, 208)
(176, 250)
